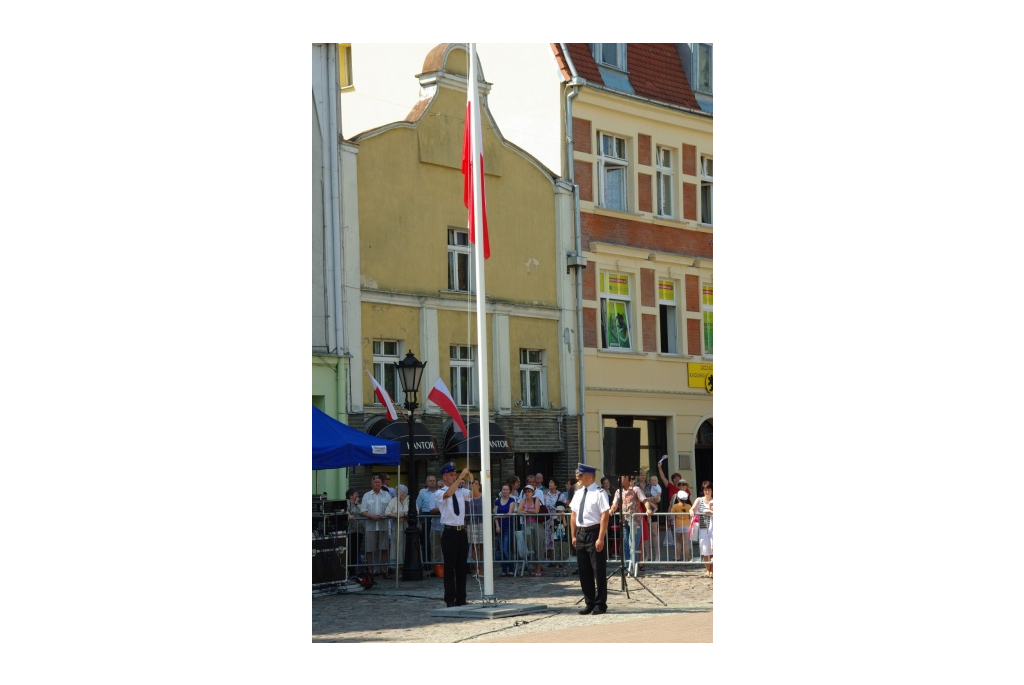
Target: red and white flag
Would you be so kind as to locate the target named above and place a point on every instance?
(440, 396)
(474, 132)
(384, 398)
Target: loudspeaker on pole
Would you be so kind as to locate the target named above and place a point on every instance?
(621, 451)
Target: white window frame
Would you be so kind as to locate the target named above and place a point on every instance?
(709, 59)
(345, 80)
(608, 163)
(665, 179)
(460, 259)
(615, 304)
(668, 317)
(533, 364)
(598, 50)
(707, 319)
(385, 354)
(462, 374)
(706, 190)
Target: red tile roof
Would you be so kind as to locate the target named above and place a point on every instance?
(654, 69)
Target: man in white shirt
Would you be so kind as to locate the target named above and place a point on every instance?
(426, 505)
(589, 525)
(631, 499)
(374, 504)
(451, 501)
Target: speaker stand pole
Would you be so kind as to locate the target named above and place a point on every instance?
(621, 570)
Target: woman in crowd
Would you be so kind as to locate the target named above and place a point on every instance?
(397, 509)
(533, 528)
(560, 538)
(513, 488)
(570, 490)
(355, 527)
(503, 506)
(681, 520)
(704, 508)
(551, 498)
(475, 522)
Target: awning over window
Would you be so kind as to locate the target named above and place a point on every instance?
(455, 444)
(425, 443)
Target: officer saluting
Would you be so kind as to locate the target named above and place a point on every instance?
(589, 524)
(451, 502)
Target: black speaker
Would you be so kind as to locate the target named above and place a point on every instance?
(621, 451)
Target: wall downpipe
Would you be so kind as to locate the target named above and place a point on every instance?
(572, 90)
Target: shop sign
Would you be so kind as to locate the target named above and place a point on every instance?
(699, 375)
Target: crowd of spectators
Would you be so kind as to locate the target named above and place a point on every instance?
(540, 534)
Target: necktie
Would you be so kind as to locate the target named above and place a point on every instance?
(579, 514)
(455, 503)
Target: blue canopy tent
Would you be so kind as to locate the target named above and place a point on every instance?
(336, 445)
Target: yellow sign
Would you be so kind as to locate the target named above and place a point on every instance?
(666, 291)
(699, 375)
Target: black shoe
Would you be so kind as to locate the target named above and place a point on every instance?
(600, 610)
(449, 604)
(460, 604)
(587, 610)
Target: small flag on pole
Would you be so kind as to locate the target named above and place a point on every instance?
(440, 396)
(384, 398)
(473, 131)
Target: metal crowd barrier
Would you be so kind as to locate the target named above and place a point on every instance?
(520, 546)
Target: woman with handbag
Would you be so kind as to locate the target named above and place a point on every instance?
(474, 526)
(533, 529)
(551, 498)
(704, 508)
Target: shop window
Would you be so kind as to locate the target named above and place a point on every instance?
(616, 311)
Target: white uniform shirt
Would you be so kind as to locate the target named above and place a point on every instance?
(447, 509)
(593, 508)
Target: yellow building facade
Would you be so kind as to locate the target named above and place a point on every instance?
(643, 164)
(416, 279)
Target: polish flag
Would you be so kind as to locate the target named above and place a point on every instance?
(473, 131)
(384, 397)
(440, 396)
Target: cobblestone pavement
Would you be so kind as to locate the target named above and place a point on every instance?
(387, 614)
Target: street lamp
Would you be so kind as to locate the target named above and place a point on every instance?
(410, 372)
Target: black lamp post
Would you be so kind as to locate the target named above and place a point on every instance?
(410, 372)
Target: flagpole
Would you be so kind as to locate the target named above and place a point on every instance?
(476, 149)
(398, 520)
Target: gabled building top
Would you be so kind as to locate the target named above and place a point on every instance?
(652, 70)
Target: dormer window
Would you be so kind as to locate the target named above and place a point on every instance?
(702, 64)
(610, 54)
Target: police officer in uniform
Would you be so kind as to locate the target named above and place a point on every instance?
(451, 502)
(589, 525)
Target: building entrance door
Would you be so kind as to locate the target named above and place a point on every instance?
(703, 465)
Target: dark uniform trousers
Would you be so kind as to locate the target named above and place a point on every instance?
(592, 566)
(455, 548)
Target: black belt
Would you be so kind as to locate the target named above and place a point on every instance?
(596, 526)
(447, 527)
